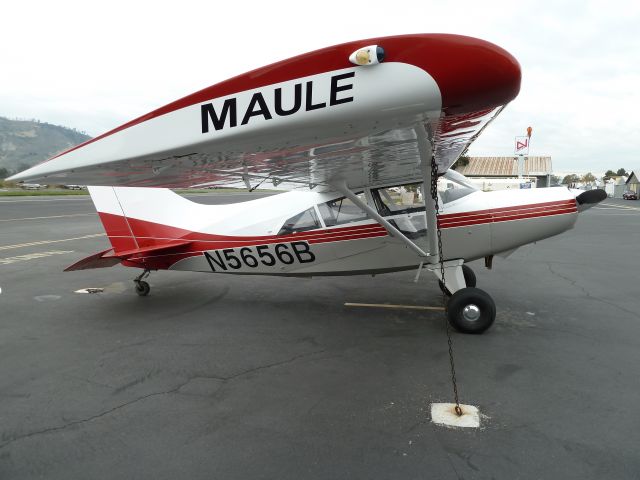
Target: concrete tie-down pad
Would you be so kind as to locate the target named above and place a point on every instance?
(445, 414)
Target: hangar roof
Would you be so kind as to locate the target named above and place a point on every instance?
(505, 166)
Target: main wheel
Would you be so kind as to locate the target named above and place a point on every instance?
(142, 288)
(471, 310)
(469, 279)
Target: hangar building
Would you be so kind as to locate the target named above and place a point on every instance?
(537, 169)
(633, 184)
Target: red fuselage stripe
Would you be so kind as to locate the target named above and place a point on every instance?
(506, 218)
(360, 232)
(153, 233)
(498, 215)
(199, 247)
(226, 243)
(564, 203)
(143, 228)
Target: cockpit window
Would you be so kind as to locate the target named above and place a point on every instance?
(341, 211)
(403, 199)
(399, 199)
(307, 220)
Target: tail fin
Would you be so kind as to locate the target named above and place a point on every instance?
(132, 239)
(127, 215)
(113, 218)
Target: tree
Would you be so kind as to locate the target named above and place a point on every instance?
(555, 180)
(570, 179)
(608, 174)
(622, 171)
(4, 173)
(588, 178)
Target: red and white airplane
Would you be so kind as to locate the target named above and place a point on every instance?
(354, 132)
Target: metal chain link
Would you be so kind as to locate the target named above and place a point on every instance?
(434, 195)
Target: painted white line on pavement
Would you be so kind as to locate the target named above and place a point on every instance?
(46, 242)
(386, 305)
(52, 216)
(629, 214)
(32, 199)
(611, 206)
(32, 256)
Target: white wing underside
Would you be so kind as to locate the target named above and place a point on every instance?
(379, 158)
(363, 132)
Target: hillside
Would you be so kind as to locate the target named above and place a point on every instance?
(24, 143)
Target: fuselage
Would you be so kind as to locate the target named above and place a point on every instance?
(306, 233)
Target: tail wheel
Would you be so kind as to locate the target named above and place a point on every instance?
(471, 310)
(469, 279)
(142, 288)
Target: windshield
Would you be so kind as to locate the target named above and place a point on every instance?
(460, 179)
(341, 211)
(453, 186)
(307, 220)
(402, 199)
(398, 199)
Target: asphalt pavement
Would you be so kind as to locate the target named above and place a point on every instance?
(229, 377)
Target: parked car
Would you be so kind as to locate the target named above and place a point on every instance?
(72, 187)
(31, 186)
(630, 195)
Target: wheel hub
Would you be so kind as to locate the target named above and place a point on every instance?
(471, 313)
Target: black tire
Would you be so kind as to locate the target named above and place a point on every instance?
(469, 279)
(469, 276)
(142, 288)
(483, 306)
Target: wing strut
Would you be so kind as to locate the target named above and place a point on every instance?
(393, 231)
(425, 149)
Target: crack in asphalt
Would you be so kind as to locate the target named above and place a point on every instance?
(85, 420)
(89, 381)
(275, 364)
(588, 294)
(176, 389)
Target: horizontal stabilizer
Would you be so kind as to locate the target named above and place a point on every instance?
(103, 259)
(165, 247)
(97, 260)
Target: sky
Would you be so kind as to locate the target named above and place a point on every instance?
(95, 65)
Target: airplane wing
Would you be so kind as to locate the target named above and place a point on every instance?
(347, 112)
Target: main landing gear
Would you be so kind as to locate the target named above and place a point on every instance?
(469, 279)
(469, 309)
(142, 287)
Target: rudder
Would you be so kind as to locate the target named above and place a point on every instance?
(113, 218)
(137, 217)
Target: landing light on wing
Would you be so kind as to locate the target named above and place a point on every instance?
(371, 55)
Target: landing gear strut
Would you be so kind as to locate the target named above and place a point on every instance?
(469, 309)
(142, 287)
(469, 279)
